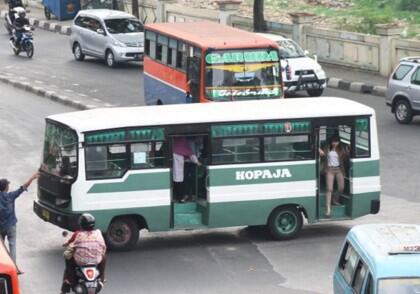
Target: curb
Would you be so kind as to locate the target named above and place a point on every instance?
(356, 87)
(44, 93)
(46, 25)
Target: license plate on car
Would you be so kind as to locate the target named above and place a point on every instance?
(91, 284)
(45, 214)
(311, 86)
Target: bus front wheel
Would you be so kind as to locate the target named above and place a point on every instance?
(122, 234)
(285, 223)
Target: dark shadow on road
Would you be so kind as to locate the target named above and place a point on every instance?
(99, 63)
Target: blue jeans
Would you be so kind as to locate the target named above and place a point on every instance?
(10, 233)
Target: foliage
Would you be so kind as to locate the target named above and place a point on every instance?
(409, 5)
(364, 20)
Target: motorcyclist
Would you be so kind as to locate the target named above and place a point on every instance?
(13, 4)
(88, 247)
(19, 26)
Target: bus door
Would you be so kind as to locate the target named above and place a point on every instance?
(342, 203)
(189, 193)
(193, 74)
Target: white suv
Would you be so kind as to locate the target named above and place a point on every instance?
(299, 72)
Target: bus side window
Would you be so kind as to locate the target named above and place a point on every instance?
(106, 161)
(147, 155)
(171, 60)
(181, 56)
(362, 138)
(235, 150)
(150, 44)
(348, 262)
(162, 48)
(292, 147)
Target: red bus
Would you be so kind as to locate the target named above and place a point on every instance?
(8, 272)
(213, 62)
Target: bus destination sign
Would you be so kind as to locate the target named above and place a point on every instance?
(242, 56)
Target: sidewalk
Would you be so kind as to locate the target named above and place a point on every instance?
(342, 78)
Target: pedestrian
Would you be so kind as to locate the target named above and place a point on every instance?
(334, 157)
(7, 212)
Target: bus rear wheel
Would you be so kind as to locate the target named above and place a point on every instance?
(123, 234)
(285, 223)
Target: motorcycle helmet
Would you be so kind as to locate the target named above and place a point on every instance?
(22, 14)
(87, 222)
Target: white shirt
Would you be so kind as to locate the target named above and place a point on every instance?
(333, 160)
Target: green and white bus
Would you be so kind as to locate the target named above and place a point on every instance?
(261, 166)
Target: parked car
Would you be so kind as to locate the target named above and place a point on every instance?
(379, 259)
(112, 35)
(299, 71)
(403, 93)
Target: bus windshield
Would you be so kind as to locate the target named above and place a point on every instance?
(242, 75)
(400, 285)
(60, 151)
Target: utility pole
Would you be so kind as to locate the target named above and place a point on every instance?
(259, 22)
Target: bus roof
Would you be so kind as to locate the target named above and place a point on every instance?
(389, 248)
(211, 34)
(253, 110)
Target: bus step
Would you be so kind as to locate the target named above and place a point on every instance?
(337, 211)
(188, 207)
(188, 219)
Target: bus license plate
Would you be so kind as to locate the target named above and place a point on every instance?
(45, 214)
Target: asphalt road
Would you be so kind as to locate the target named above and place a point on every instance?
(230, 261)
(54, 68)
(234, 260)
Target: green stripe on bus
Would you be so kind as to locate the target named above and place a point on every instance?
(261, 174)
(365, 169)
(225, 214)
(361, 203)
(157, 217)
(135, 182)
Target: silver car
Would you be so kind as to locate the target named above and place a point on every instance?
(112, 35)
(403, 93)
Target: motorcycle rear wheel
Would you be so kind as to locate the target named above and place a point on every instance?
(29, 50)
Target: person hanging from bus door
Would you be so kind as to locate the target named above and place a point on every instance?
(190, 170)
(181, 149)
(334, 157)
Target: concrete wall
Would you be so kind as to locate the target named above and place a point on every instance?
(372, 53)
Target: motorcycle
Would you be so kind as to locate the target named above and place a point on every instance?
(10, 16)
(26, 42)
(87, 278)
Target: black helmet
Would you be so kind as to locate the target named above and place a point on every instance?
(87, 222)
(22, 13)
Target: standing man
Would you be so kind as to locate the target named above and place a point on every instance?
(7, 212)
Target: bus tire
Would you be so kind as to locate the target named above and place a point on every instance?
(123, 234)
(285, 222)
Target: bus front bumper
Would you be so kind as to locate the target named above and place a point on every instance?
(68, 221)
